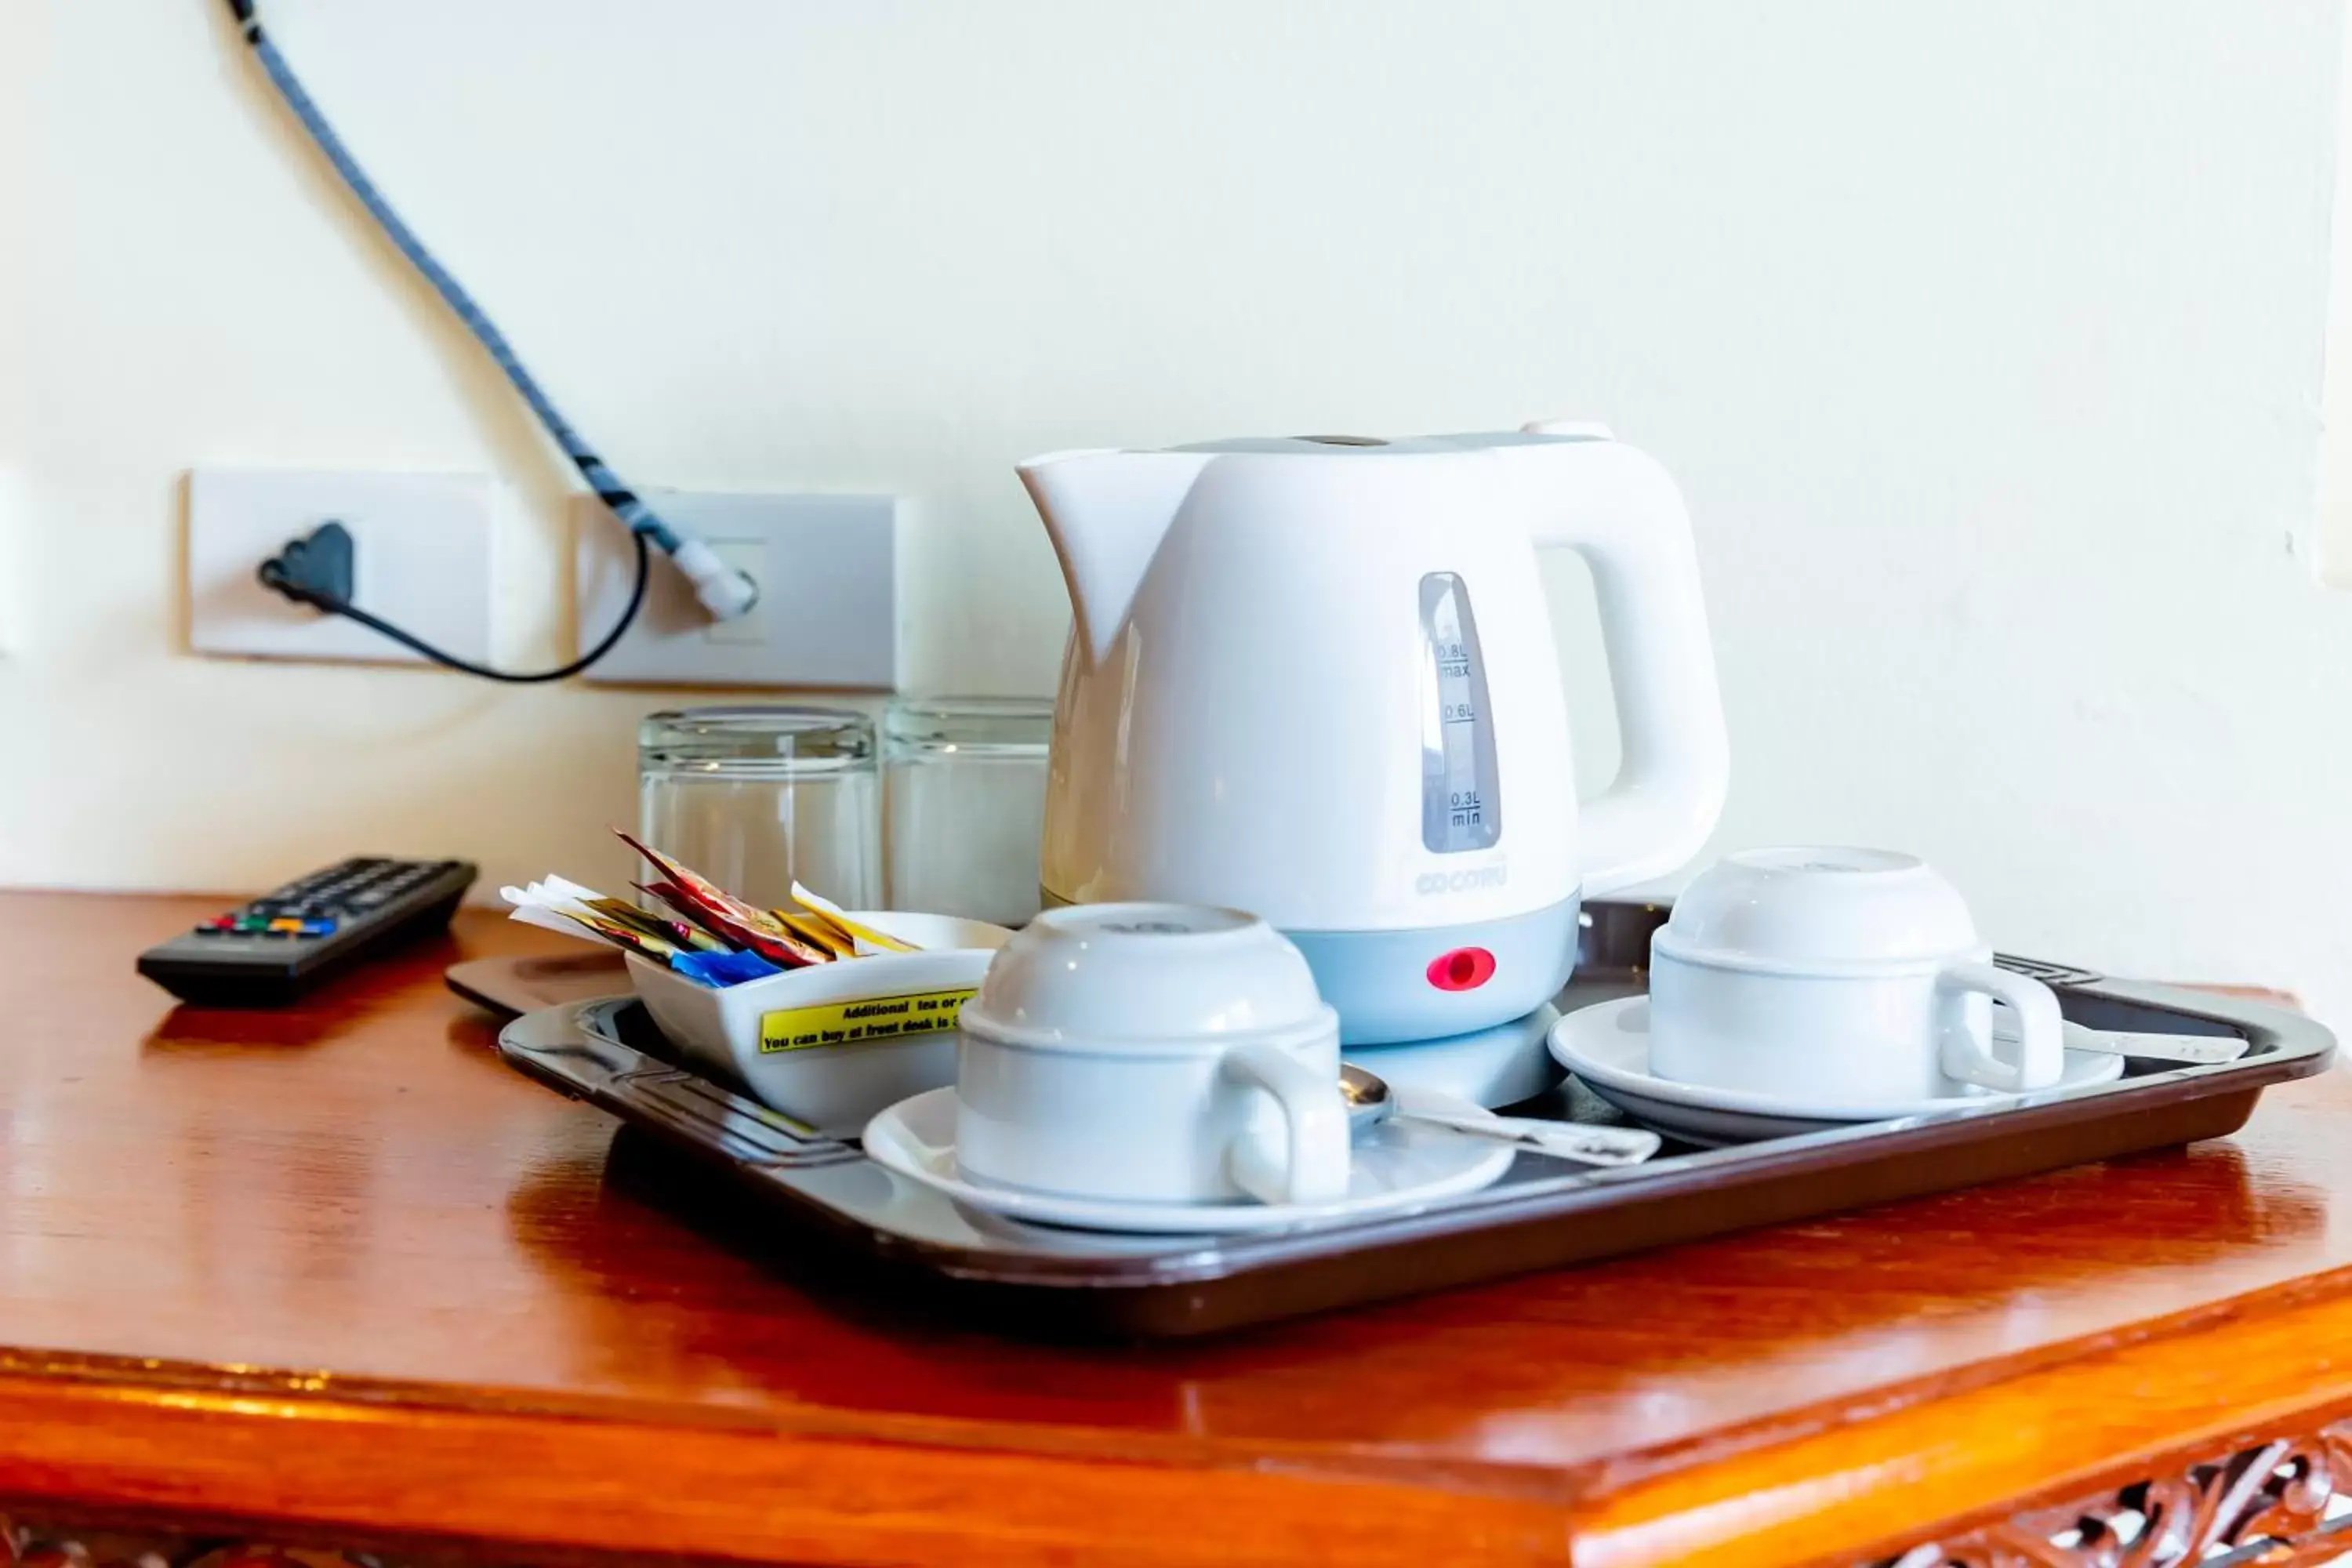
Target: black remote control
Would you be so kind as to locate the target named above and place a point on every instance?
(286, 941)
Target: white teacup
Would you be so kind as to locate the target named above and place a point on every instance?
(1151, 1053)
(1843, 976)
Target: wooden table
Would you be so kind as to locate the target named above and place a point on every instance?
(336, 1275)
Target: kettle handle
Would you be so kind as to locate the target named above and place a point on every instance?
(1620, 509)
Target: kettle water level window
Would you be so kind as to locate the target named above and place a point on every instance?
(1460, 805)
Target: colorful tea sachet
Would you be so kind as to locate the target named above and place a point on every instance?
(863, 938)
(722, 968)
(739, 924)
(698, 928)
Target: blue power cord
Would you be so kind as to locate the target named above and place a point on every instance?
(724, 590)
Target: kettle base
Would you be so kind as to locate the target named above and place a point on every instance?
(1414, 984)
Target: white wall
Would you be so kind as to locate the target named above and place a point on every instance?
(2335, 404)
(1985, 337)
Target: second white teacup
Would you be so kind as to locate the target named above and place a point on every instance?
(1840, 976)
(1151, 1053)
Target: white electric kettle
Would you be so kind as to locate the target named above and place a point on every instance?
(1314, 678)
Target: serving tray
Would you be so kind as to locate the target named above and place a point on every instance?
(1035, 1279)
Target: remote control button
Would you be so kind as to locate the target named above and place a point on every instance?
(317, 928)
(250, 923)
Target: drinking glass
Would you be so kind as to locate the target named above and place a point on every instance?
(757, 797)
(965, 791)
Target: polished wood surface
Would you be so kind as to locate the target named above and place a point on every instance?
(337, 1268)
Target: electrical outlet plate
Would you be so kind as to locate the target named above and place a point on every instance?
(422, 561)
(827, 615)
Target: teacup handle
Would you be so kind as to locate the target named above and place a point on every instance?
(1315, 1169)
(2041, 1030)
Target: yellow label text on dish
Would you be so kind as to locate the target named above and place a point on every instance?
(867, 1019)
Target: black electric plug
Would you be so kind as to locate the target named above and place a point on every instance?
(315, 570)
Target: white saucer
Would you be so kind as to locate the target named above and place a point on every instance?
(1608, 1047)
(1498, 1066)
(1398, 1165)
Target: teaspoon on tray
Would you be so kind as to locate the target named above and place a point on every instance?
(1371, 1101)
(2199, 1050)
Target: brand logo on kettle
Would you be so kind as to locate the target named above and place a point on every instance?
(1430, 882)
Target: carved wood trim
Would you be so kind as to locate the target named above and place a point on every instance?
(2285, 1503)
(28, 1545)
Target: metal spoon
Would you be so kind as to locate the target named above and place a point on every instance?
(2202, 1050)
(1369, 1101)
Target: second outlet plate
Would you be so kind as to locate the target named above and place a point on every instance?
(827, 615)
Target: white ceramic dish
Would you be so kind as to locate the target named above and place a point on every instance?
(1151, 1053)
(746, 1034)
(1833, 973)
(1608, 1047)
(1395, 1167)
(1501, 1066)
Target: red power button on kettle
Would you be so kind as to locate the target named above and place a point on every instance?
(1464, 969)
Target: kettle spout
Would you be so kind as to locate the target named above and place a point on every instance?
(1106, 513)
